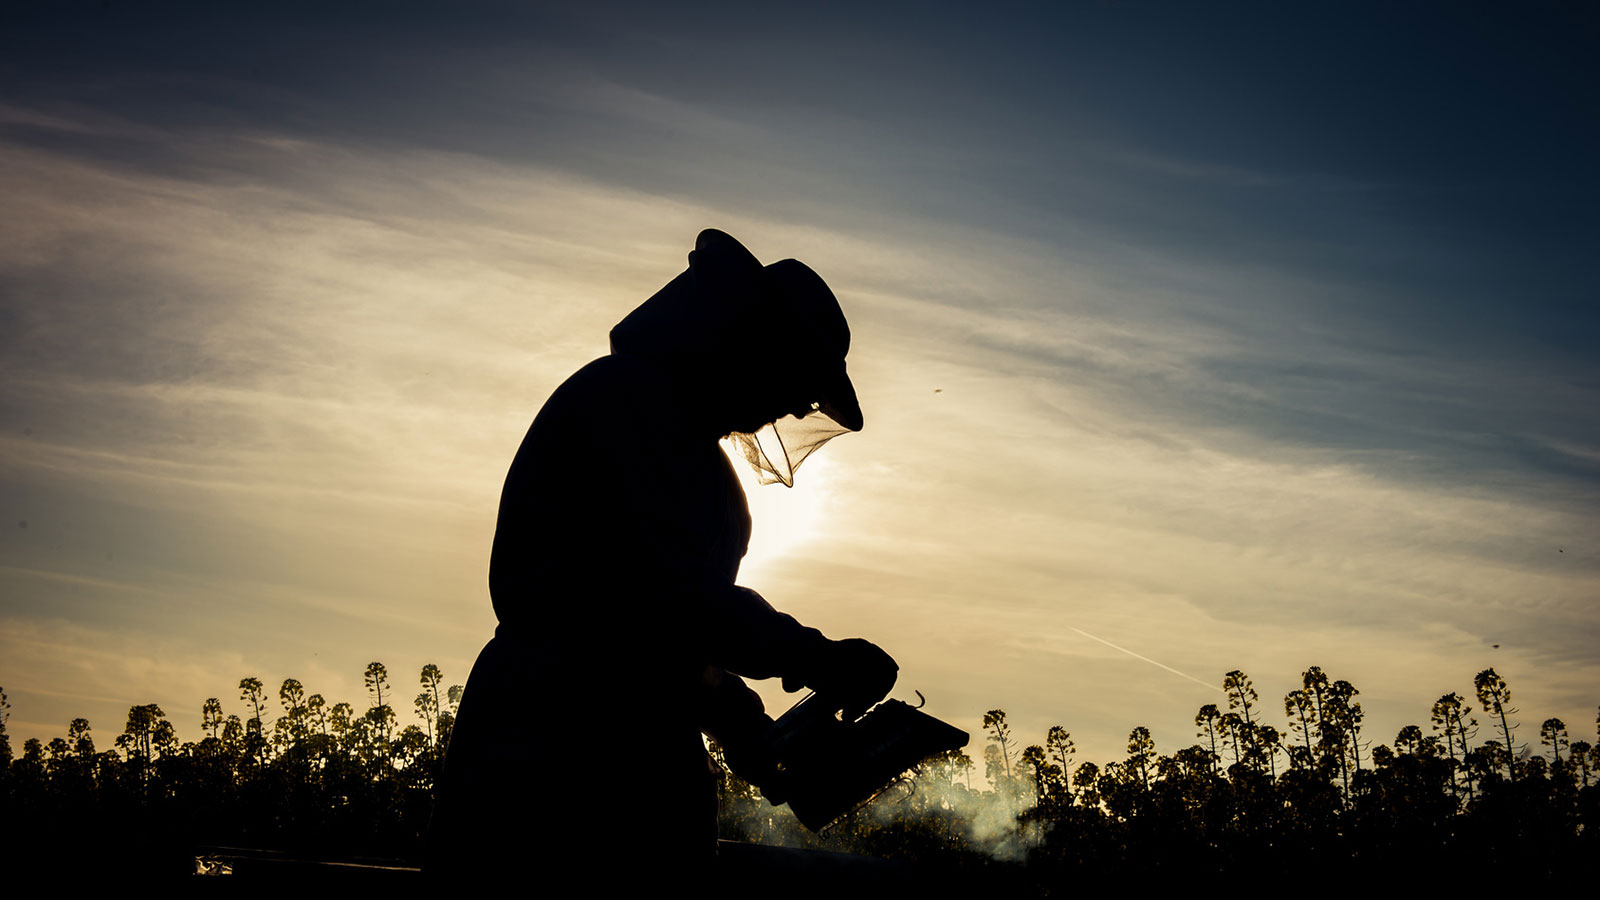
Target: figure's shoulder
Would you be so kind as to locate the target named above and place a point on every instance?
(608, 387)
(618, 371)
(622, 377)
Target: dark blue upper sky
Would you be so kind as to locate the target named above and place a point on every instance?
(1424, 172)
(1470, 128)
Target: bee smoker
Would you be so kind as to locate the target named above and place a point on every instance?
(827, 766)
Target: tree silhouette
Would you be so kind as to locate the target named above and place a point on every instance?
(377, 678)
(250, 691)
(1209, 719)
(1346, 711)
(1243, 700)
(30, 765)
(317, 714)
(1043, 770)
(1495, 695)
(211, 716)
(292, 694)
(1553, 734)
(994, 723)
(233, 733)
(428, 705)
(5, 739)
(1058, 744)
(1271, 744)
(1580, 751)
(1409, 740)
(1329, 750)
(1087, 780)
(1299, 706)
(339, 719)
(143, 737)
(1232, 727)
(1141, 754)
(1452, 717)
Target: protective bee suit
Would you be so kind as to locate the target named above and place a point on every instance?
(622, 634)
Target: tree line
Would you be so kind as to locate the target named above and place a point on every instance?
(1247, 797)
(320, 778)
(1450, 803)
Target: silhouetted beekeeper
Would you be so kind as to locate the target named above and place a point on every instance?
(577, 749)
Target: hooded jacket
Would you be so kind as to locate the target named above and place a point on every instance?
(620, 532)
(622, 524)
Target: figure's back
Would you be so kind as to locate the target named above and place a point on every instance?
(610, 509)
(610, 516)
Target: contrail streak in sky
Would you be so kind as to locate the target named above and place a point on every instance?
(1145, 658)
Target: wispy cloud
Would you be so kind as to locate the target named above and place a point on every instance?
(265, 362)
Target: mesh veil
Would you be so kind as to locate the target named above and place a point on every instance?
(727, 302)
(778, 448)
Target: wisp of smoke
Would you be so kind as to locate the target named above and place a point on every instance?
(947, 812)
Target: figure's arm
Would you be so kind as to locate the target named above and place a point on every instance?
(734, 717)
(729, 711)
(745, 634)
(751, 638)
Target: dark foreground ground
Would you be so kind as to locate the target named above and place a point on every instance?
(755, 870)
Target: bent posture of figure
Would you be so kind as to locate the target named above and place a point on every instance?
(622, 634)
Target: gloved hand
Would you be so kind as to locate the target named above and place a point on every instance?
(733, 715)
(749, 759)
(852, 673)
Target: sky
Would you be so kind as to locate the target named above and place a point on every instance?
(1189, 339)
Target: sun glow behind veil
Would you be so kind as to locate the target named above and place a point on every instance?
(781, 521)
(777, 449)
